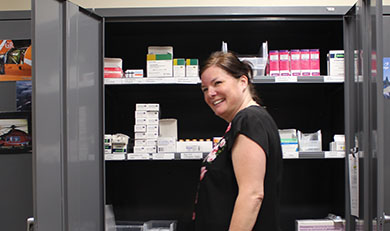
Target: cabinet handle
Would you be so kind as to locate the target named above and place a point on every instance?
(384, 219)
(30, 224)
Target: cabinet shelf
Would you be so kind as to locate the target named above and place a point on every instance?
(199, 156)
(196, 80)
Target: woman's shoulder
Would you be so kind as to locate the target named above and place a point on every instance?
(251, 112)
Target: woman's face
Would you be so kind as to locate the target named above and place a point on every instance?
(223, 93)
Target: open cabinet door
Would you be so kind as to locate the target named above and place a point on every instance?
(68, 174)
(384, 95)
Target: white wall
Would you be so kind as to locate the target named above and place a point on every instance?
(26, 4)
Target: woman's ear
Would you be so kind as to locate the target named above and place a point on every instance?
(244, 81)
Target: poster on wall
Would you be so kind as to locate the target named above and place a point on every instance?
(386, 77)
(15, 60)
(15, 132)
(23, 95)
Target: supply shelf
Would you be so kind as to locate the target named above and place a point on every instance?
(200, 156)
(196, 80)
(305, 103)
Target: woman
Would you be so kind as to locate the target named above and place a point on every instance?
(240, 178)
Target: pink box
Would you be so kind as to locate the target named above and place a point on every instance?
(315, 62)
(295, 56)
(274, 63)
(284, 63)
(305, 62)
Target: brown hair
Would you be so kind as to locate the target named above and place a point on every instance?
(230, 63)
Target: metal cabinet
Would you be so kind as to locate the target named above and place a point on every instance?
(68, 117)
(367, 134)
(68, 110)
(312, 188)
(15, 168)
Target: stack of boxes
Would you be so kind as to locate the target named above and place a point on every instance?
(146, 127)
(113, 68)
(160, 63)
(304, 62)
(115, 146)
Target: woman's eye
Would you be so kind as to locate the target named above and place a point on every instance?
(204, 89)
(218, 82)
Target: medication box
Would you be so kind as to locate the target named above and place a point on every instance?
(284, 63)
(194, 146)
(319, 225)
(159, 65)
(336, 63)
(113, 68)
(136, 73)
(107, 144)
(192, 67)
(274, 63)
(305, 62)
(179, 68)
(314, 62)
(295, 57)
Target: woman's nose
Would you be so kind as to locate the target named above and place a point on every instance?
(211, 92)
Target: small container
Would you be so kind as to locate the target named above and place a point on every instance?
(160, 225)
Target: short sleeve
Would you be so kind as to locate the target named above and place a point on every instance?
(250, 122)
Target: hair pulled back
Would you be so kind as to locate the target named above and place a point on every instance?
(230, 63)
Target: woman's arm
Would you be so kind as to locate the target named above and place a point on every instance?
(249, 163)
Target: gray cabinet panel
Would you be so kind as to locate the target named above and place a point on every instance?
(16, 191)
(84, 120)
(386, 126)
(68, 132)
(15, 29)
(47, 114)
(7, 96)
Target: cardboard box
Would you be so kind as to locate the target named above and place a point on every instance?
(160, 50)
(145, 135)
(336, 63)
(145, 142)
(141, 107)
(168, 128)
(288, 141)
(152, 128)
(274, 63)
(146, 121)
(159, 65)
(153, 107)
(107, 144)
(194, 146)
(113, 68)
(305, 62)
(140, 128)
(145, 149)
(166, 144)
(315, 62)
(179, 68)
(119, 148)
(140, 114)
(284, 63)
(192, 67)
(319, 225)
(134, 73)
(295, 61)
(310, 142)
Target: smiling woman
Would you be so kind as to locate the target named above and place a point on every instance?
(226, 85)
(243, 172)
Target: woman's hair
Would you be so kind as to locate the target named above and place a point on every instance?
(230, 63)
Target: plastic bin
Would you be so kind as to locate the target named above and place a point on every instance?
(160, 225)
